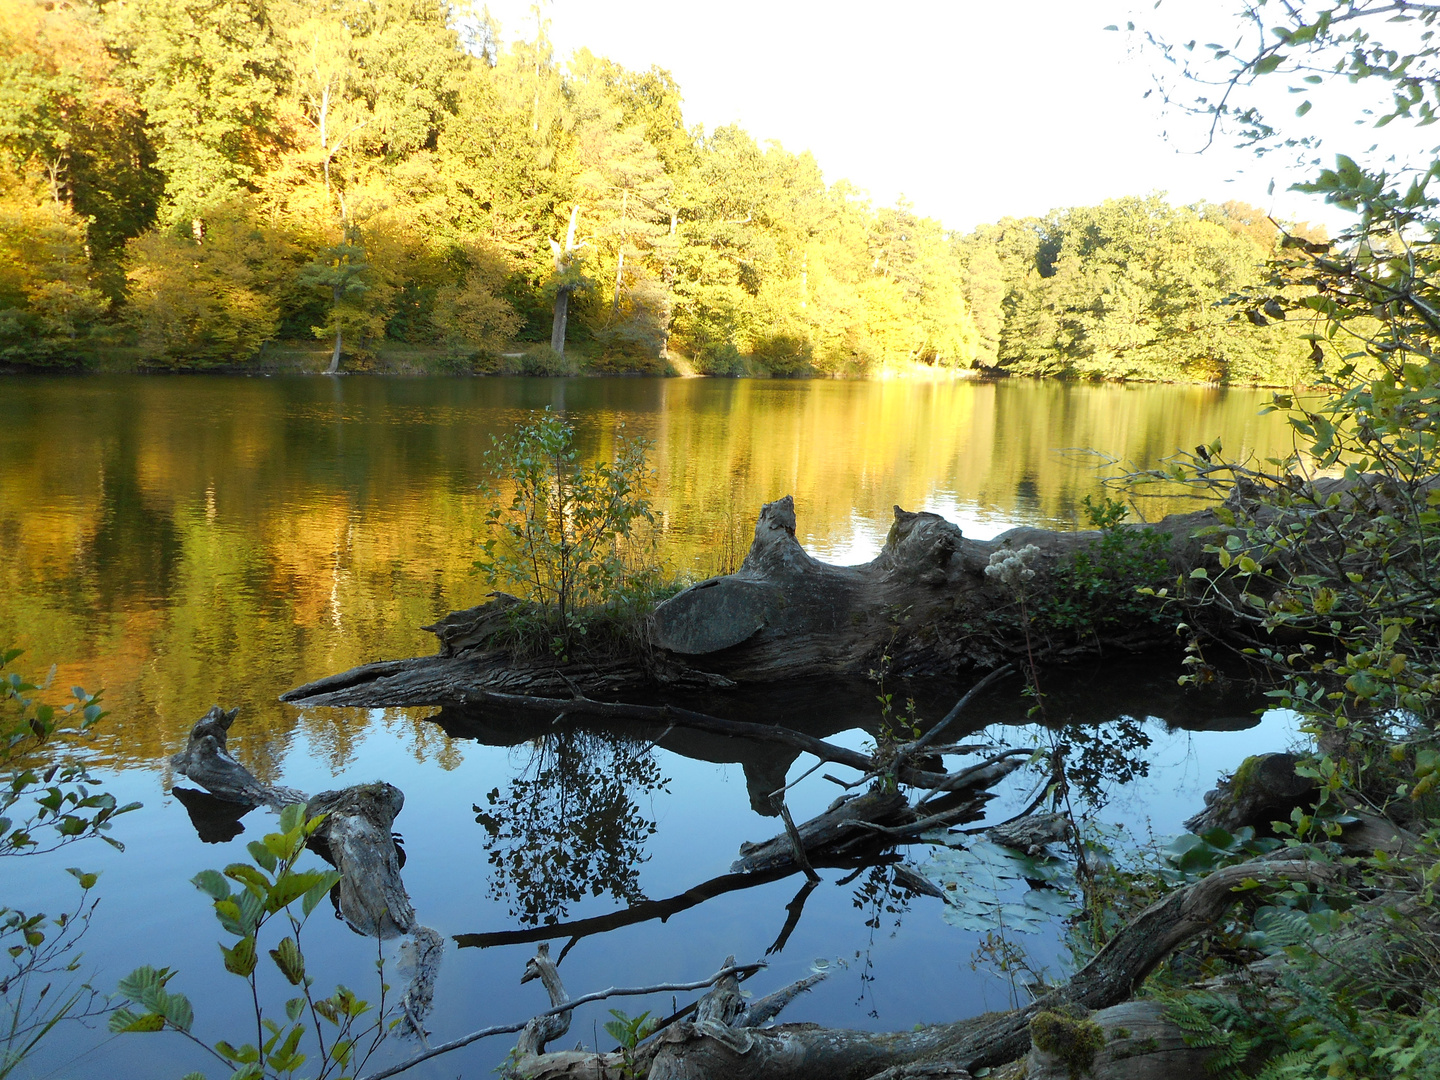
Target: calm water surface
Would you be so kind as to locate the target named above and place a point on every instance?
(185, 541)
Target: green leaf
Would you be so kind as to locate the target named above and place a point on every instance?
(212, 884)
(289, 887)
(179, 1011)
(318, 891)
(250, 877)
(286, 1059)
(240, 959)
(123, 1021)
(262, 855)
(292, 817)
(288, 959)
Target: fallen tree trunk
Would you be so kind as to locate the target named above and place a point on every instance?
(860, 824)
(717, 1046)
(785, 615)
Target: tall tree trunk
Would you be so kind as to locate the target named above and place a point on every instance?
(562, 314)
(339, 333)
(563, 258)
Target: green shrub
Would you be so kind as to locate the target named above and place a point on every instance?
(575, 540)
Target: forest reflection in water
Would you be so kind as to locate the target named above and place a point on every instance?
(574, 818)
(182, 541)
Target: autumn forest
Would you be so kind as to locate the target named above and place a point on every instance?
(396, 186)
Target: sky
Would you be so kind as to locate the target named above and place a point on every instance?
(973, 110)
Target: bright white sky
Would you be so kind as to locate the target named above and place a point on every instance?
(974, 109)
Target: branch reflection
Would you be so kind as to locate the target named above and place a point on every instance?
(570, 825)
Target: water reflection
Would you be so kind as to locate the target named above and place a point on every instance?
(186, 541)
(569, 825)
(182, 541)
(572, 824)
(215, 820)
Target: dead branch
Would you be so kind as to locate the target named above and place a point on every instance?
(583, 999)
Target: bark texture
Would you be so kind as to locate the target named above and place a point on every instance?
(715, 1044)
(355, 836)
(1263, 789)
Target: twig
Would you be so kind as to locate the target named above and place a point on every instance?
(942, 818)
(798, 844)
(583, 999)
(975, 775)
(853, 784)
(781, 791)
(950, 717)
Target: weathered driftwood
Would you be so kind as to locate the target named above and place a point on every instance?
(1136, 1042)
(856, 824)
(355, 837)
(783, 616)
(722, 1011)
(1031, 833)
(207, 761)
(544, 1029)
(706, 1048)
(827, 832)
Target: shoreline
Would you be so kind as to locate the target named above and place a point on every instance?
(421, 364)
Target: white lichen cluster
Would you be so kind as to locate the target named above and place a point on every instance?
(1010, 565)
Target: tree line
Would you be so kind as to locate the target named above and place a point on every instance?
(187, 183)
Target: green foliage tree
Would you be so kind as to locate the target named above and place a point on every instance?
(412, 183)
(203, 304)
(65, 116)
(342, 273)
(51, 305)
(1137, 289)
(207, 73)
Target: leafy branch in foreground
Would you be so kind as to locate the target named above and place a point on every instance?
(1325, 565)
(270, 887)
(65, 807)
(59, 805)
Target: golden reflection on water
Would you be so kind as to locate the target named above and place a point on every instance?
(183, 541)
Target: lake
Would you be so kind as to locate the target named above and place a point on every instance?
(183, 541)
